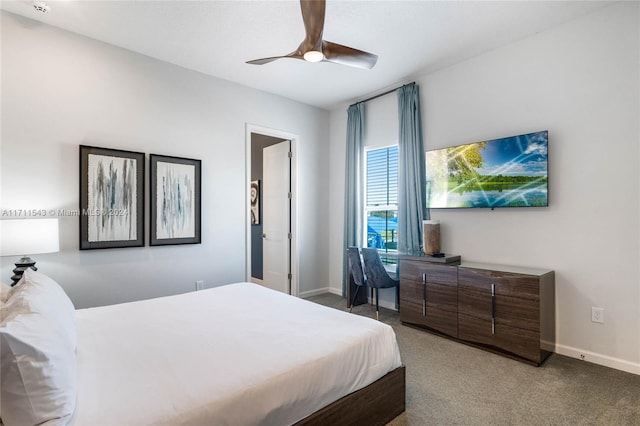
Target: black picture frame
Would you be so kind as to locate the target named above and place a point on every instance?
(111, 198)
(175, 203)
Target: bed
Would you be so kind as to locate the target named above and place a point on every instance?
(239, 354)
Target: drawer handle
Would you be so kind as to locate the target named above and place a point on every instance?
(424, 296)
(493, 308)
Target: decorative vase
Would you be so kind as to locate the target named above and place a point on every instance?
(431, 236)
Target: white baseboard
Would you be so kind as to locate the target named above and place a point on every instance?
(310, 293)
(336, 291)
(607, 361)
(547, 346)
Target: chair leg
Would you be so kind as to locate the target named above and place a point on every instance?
(354, 298)
(377, 316)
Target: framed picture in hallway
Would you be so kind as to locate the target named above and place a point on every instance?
(175, 189)
(111, 198)
(255, 202)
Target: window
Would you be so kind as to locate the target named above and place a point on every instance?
(381, 201)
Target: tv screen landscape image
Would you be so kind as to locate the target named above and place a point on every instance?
(507, 172)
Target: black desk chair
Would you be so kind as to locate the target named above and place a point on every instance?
(376, 276)
(355, 266)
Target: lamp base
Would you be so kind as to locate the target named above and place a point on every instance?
(22, 265)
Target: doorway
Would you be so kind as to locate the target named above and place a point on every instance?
(271, 219)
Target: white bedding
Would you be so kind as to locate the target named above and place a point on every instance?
(234, 355)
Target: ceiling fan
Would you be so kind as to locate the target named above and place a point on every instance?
(314, 49)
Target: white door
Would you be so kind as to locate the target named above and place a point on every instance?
(276, 216)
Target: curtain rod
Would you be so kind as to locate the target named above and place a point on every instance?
(382, 94)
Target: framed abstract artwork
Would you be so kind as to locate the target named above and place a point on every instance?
(175, 189)
(255, 202)
(111, 198)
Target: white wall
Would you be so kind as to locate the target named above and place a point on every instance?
(60, 90)
(580, 81)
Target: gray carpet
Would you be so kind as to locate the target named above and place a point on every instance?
(450, 383)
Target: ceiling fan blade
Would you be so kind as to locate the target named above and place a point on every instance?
(346, 55)
(313, 12)
(313, 48)
(263, 61)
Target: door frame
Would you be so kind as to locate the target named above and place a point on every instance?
(294, 138)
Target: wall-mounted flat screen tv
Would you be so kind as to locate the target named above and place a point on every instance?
(507, 172)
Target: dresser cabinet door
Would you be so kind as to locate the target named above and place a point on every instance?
(501, 310)
(429, 296)
(411, 301)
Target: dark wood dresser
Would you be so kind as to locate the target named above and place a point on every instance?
(504, 309)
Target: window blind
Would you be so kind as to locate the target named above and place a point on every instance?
(382, 177)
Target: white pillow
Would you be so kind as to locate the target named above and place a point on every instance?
(37, 353)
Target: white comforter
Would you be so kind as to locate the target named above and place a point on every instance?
(233, 355)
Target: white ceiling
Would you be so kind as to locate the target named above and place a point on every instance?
(411, 38)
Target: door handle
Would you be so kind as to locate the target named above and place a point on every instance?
(264, 235)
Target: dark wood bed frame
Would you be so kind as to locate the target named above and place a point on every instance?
(373, 405)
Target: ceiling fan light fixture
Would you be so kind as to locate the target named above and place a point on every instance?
(313, 56)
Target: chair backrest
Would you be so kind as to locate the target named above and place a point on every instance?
(377, 276)
(355, 265)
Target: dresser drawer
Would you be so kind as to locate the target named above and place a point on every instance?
(440, 274)
(515, 285)
(517, 341)
(437, 319)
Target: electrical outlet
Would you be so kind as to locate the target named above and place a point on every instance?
(199, 285)
(597, 314)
